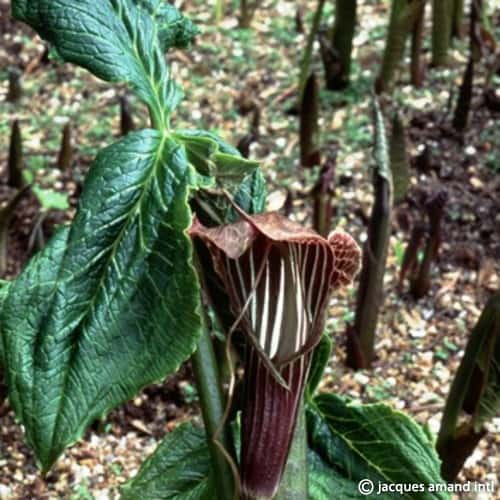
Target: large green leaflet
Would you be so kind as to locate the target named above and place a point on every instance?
(4, 288)
(489, 404)
(111, 304)
(369, 442)
(178, 469)
(488, 362)
(324, 480)
(117, 40)
(92, 320)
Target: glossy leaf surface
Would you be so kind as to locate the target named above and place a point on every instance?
(488, 363)
(117, 40)
(174, 29)
(370, 442)
(319, 362)
(111, 304)
(4, 289)
(178, 469)
(323, 480)
(93, 319)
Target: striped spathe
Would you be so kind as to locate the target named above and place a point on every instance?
(278, 278)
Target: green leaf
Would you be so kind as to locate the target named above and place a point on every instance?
(211, 156)
(251, 195)
(199, 151)
(372, 442)
(232, 169)
(224, 147)
(116, 40)
(93, 319)
(174, 29)
(4, 289)
(50, 199)
(249, 192)
(43, 280)
(178, 469)
(320, 359)
(323, 480)
(488, 364)
(489, 404)
(213, 208)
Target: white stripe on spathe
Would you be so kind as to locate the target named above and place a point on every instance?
(313, 274)
(253, 306)
(298, 292)
(304, 277)
(263, 336)
(278, 318)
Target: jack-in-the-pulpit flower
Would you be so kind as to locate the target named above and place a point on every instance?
(278, 277)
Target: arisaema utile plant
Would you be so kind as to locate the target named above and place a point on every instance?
(169, 239)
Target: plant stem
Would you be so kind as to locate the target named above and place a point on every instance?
(212, 407)
(65, 158)
(398, 155)
(343, 35)
(15, 162)
(464, 100)
(421, 284)
(410, 257)
(458, 11)
(306, 61)
(402, 20)
(218, 11)
(476, 13)
(156, 119)
(6, 214)
(15, 91)
(417, 34)
(371, 284)
(247, 12)
(309, 130)
(126, 119)
(442, 13)
(323, 194)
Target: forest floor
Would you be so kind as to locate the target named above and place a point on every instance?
(419, 343)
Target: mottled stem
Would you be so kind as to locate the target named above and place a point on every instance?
(309, 130)
(442, 14)
(212, 407)
(361, 339)
(337, 76)
(65, 159)
(306, 60)
(16, 161)
(404, 14)
(416, 66)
